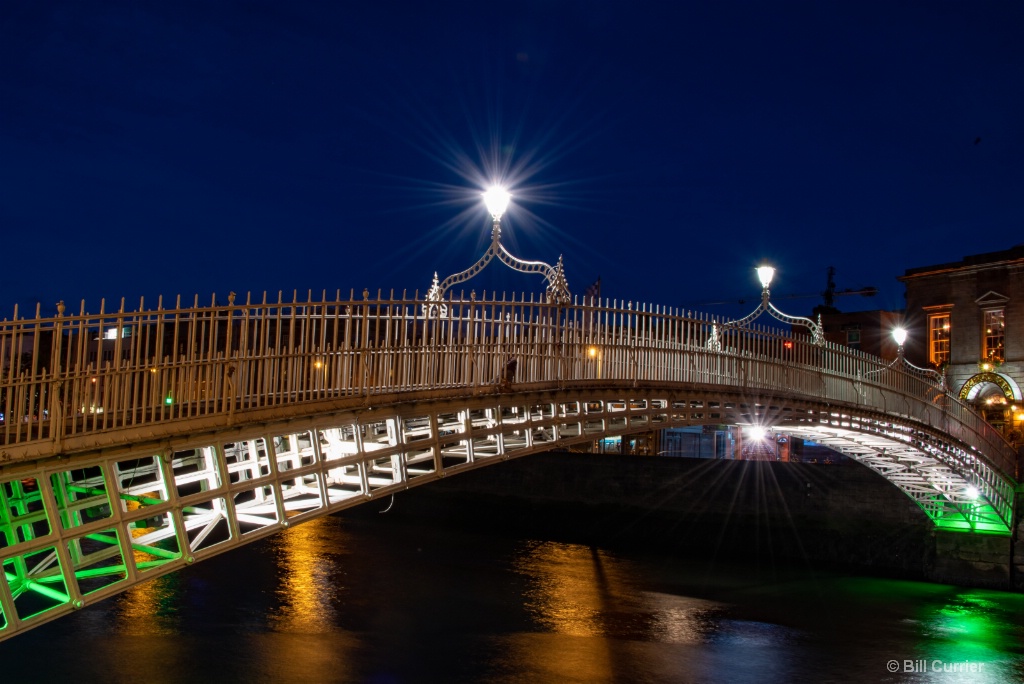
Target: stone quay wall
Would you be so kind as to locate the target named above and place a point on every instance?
(841, 516)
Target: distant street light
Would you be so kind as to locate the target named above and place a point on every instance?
(900, 335)
(765, 274)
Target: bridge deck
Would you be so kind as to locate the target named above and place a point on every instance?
(189, 431)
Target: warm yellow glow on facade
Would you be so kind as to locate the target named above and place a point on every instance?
(938, 338)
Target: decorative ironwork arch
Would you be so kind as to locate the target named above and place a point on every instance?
(557, 291)
(1006, 385)
(714, 342)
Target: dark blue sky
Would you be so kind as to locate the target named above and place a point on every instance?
(187, 148)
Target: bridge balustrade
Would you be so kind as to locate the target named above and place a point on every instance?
(231, 422)
(83, 374)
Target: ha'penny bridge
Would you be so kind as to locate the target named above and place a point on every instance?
(137, 442)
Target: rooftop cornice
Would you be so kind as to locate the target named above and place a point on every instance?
(958, 267)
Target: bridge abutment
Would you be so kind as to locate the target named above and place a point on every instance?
(971, 559)
(1017, 543)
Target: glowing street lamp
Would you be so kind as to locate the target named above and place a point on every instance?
(765, 274)
(900, 335)
(594, 354)
(496, 199)
(757, 432)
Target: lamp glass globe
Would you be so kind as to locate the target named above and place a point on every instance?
(497, 198)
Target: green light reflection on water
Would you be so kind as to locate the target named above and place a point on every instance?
(924, 626)
(973, 627)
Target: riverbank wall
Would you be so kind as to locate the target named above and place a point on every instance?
(839, 516)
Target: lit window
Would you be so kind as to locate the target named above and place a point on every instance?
(938, 338)
(993, 333)
(111, 333)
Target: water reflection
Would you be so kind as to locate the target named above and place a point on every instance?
(568, 589)
(307, 565)
(581, 591)
(972, 635)
(149, 608)
(682, 619)
(380, 600)
(568, 592)
(600, 622)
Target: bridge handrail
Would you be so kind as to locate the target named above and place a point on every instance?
(81, 373)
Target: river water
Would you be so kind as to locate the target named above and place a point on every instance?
(379, 598)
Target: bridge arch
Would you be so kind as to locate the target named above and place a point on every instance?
(209, 427)
(79, 531)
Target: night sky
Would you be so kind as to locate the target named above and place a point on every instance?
(183, 148)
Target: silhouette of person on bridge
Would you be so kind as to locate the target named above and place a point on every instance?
(509, 374)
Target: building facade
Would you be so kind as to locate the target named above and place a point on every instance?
(966, 319)
(869, 331)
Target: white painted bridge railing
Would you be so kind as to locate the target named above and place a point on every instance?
(73, 375)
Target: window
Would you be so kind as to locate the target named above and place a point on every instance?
(938, 338)
(853, 338)
(993, 334)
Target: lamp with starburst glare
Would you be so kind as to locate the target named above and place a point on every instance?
(899, 336)
(497, 199)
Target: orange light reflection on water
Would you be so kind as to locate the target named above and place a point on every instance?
(580, 591)
(149, 608)
(309, 572)
(565, 592)
(595, 614)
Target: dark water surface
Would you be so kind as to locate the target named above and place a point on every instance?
(378, 599)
